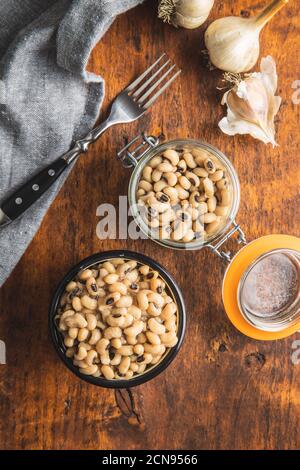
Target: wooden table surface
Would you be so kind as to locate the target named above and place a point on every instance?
(224, 390)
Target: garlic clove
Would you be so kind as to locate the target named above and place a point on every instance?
(233, 42)
(252, 104)
(188, 14)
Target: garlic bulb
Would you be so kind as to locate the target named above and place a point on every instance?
(252, 104)
(186, 13)
(233, 42)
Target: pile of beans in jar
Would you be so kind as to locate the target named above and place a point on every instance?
(117, 319)
(184, 195)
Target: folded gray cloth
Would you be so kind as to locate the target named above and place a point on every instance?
(47, 99)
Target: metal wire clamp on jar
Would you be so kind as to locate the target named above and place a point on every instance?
(282, 322)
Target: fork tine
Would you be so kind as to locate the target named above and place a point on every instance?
(155, 85)
(160, 91)
(143, 75)
(147, 83)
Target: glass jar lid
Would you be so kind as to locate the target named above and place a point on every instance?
(261, 288)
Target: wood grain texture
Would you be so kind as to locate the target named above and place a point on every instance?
(223, 391)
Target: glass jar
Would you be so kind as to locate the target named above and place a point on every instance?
(179, 145)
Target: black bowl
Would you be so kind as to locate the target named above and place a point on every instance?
(57, 337)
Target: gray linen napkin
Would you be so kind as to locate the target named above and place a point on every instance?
(47, 99)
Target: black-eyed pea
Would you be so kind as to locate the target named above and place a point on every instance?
(129, 374)
(138, 349)
(169, 310)
(134, 367)
(153, 338)
(189, 159)
(171, 323)
(76, 304)
(135, 329)
(132, 275)
(156, 359)
(222, 184)
(92, 286)
(145, 185)
(189, 236)
(153, 349)
(146, 358)
(222, 211)
(169, 339)
(81, 354)
(84, 275)
(81, 364)
(140, 192)
(124, 365)
(125, 350)
(156, 175)
(157, 285)
(165, 232)
(155, 161)
(73, 332)
(95, 337)
(160, 185)
(71, 286)
(165, 167)
(141, 368)
(91, 321)
(181, 192)
(111, 299)
(135, 312)
(182, 166)
(194, 199)
(97, 373)
(209, 165)
(212, 204)
(168, 300)
(70, 352)
(153, 309)
(102, 346)
(89, 370)
(170, 178)
(69, 342)
(141, 338)
(91, 357)
(107, 372)
(156, 298)
(144, 269)
(147, 172)
(171, 193)
(104, 358)
(128, 320)
(216, 176)
(172, 156)
(118, 287)
(109, 267)
(142, 300)
(84, 345)
(83, 334)
(200, 172)
(116, 343)
(226, 197)
(115, 319)
(111, 278)
(208, 187)
(131, 340)
(180, 230)
(112, 332)
(209, 217)
(115, 361)
(213, 226)
(89, 303)
(76, 321)
(184, 182)
(124, 301)
(193, 179)
(199, 155)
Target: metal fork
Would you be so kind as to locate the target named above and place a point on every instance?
(128, 106)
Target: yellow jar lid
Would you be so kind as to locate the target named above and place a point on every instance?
(235, 271)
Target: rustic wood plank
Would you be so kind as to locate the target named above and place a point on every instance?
(224, 390)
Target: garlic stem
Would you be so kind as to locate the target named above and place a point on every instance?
(269, 12)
